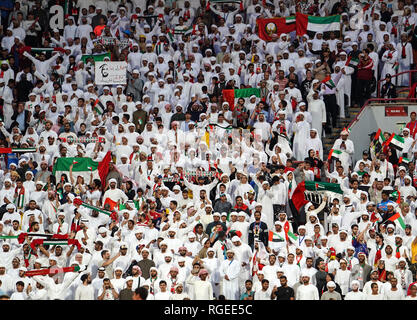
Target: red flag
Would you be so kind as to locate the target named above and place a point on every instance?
(378, 257)
(111, 203)
(293, 104)
(286, 229)
(59, 49)
(229, 96)
(399, 198)
(51, 271)
(103, 168)
(298, 198)
(274, 27)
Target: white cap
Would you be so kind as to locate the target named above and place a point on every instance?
(102, 230)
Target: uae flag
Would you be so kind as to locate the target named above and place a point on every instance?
(379, 137)
(83, 167)
(17, 150)
(231, 95)
(293, 237)
(179, 31)
(51, 271)
(323, 186)
(310, 25)
(270, 27)
(274, 237)
(55, 242)
(328, 82)
(396, 195)
(98, 107)
(396, 218)
(404, 160)
(379, 140)
(395, 141)
(352, 62)
(298, 197)
(336, 154)
(112, 214)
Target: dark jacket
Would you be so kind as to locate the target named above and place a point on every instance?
(356, 273)
(220, 206)
(27, 120)
(96, 20)
(211, 225)
(388, 90)
(145, 266)
(126, 294)
(263, 234)
(139, 119)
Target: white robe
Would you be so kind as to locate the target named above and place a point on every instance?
(347, 81)
(405, 63)
(242, 190)
(316, 144)
(358, 295)
(347, 154)
(301, 133)
(243, 227)
(389, 63)
(307, 292)
(265, 197)
(203, 290)
(231, 286)
(340, 96)
(243, 253)
(342, 278)
(213, 266)
(317, 109)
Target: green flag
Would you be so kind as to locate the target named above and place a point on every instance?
(95, 57)
(323, 186)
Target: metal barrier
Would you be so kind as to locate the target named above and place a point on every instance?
(410, 73)
(380, 100)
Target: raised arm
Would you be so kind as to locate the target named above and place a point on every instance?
(53, 58)
(70, 174)
(320, 207)
(30, 57)
(212, 8)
